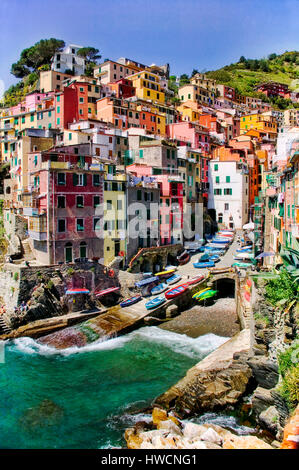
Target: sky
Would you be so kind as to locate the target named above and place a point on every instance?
(187, 34)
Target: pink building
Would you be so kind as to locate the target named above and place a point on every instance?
(189, 132)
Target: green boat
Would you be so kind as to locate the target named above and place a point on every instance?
(242, 265)
(207, 295)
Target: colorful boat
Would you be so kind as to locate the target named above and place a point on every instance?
(155, 302)
(164, 273)
(101, 293)
(184, 260)
(207, 264)
(175, 292)
(200, 292)
(216, 252)
(242, 265)
(243, 250)
(205, 257)
(145, 282)
(195, 280)
(214, 258)
(130, 301)
(76, 291)
(207, 295)
(173, 279)
(159, 289)
(169, 268)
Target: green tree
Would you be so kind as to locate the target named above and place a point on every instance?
(194, 72)
(36, 56)
(90, 54)
(184, 79)
(242, 59)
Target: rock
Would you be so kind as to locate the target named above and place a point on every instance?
(217, 381)
(269, 419)
(264, 371)
(170, 426)
(132, 438)
(261, 400)
(171, 311)
(159, 415)
(245, 442)
(212, 436)
(193, 431)
(291, 432)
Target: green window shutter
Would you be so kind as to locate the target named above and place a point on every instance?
(228, 179)
(50, 113)
(58, 121)
(140, 153)
(217, 179)
(75, 179)
(58, 98)
(85, 179)
(215, 167)
(70, 136)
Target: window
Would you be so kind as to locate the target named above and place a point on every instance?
(227, 191)
(96, 223)
(58, 98)
(61, 178)
(226, 206)
(96, 201)
(79, 179)
(217, 192)
(119, 204)
(61, 202)
(215, 167)
(58, 121)
(31, 117)
(139, 195)
(61, 226)
(81, 100)
(227, 179)
(81, 89)
(80, 202)
(217, 179)
(109, 205)
(70, 136)
(58, 109)
(140, 153)
(80, 225)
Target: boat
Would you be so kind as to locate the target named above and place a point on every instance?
(216, 252)
(155, 302)
(182, 255)
(176, 291)
(184, 260)
(205, 257)
(147, 275)
(207, 264)
(219, 241)
(145, 282)
(242, 265)
(214, 258)
(130, 301)
(101, 293)
(159, 289)
(164, 273)
(228, 269)
(207, 295)
(173, 279)
(244, 250)
(169, 268)
(200, 292)
(75, 291)
(195, 280)
(244, 255)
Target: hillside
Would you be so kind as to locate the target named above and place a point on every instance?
(247, 73)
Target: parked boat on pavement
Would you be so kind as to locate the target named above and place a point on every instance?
(155, 302)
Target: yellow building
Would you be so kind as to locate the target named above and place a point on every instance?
(197, 94)
(115, 214)
(264, 123)
(189, 111)
(147, 86)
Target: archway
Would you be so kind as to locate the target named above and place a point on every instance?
(225, 287)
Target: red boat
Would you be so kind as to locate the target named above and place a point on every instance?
(195, 280)
(184, 259)
(172, 293)
(106, 291)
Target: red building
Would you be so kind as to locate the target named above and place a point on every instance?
(71, 104)
(63, 205)
(273, 89)
(123, 88)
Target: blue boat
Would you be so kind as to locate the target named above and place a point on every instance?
(159, 289)
(130, 301)
(173, 279)
(208, 264)
(205, 257)
(144, 282)
(215, 258)
(219, 241)
(215, 252)
(155, 302)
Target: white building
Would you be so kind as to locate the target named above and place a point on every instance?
(229, 193)
(67, 59)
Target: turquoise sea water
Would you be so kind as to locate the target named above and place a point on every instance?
(84, 398)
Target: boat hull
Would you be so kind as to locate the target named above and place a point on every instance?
(175, 292)
(155, 303)
(131, 301)
(209, 264)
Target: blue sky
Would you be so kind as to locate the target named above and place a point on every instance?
(185, 33)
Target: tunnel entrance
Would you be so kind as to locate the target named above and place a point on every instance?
(225, 287)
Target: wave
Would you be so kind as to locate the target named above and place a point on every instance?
(179, 343)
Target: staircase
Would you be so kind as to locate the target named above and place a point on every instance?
(4, 328)
(27, 251)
